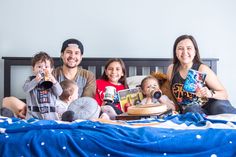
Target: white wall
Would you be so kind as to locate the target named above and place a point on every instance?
(121, 28)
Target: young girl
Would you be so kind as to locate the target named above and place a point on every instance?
(151, 90)
(114, 75)
(41, 99)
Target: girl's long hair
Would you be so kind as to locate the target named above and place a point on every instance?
(123, 79)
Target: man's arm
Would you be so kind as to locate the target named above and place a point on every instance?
(90, 87)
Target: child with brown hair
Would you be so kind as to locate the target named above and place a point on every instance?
(151, 90)
(69, 94)
(70, 107)
(42, 89)
(114, 75)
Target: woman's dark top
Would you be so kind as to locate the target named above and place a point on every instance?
(183, 97)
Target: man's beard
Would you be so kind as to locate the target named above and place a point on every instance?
(73, 66)
(70, 67)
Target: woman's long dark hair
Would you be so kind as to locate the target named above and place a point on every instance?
(176, 61)
(123, 79)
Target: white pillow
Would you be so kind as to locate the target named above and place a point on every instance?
(85, 108)
(134, 81)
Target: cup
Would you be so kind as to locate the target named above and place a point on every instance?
(109, 93)
(45, 83)
(156, 94)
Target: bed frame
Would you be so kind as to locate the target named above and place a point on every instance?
(134, 66)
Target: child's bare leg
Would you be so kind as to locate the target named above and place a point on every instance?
(17, 106)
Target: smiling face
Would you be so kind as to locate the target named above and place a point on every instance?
(114, 72)
(71, 56)
(42, 66)
(185, 51)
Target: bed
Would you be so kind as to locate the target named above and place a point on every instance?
(177, 135)
(171, 135)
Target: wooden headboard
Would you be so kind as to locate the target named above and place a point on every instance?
(134, 66)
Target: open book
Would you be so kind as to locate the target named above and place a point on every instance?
(194, 81)
(130, 97)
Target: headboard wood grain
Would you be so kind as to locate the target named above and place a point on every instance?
(134, 66)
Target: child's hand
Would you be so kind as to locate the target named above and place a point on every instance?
(52, 78)
(39, 77)
(162, 99)
(22, 113)
(49, 76)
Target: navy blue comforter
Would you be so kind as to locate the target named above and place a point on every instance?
(180, 135)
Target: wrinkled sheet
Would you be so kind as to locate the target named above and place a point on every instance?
(177, 135)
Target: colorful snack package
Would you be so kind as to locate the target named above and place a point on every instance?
(194, 81)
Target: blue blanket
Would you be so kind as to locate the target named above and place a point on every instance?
(189, 136)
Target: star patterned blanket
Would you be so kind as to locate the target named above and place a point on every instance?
(177, 135)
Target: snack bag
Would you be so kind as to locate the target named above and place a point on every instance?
(194, 80)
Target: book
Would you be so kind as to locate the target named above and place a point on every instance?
(130, 97)
(194, 81)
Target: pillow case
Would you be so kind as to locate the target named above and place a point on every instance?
(134, 81)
